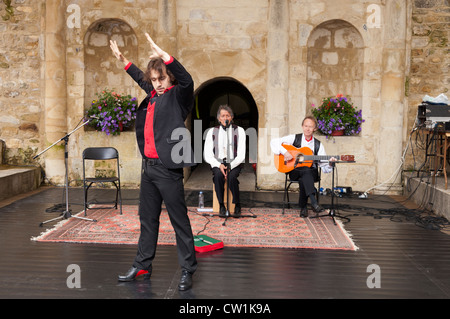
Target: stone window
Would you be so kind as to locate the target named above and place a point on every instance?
(102, 69)
(335, 62)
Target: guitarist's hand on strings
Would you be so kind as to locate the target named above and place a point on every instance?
(287, 156)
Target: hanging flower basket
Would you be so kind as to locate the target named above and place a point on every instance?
(337, 116)
(112, 111)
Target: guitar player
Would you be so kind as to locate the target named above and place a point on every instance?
(306, 176)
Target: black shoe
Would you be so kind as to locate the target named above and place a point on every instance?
(317, 208)
(133, 273)
(223, 211)
(237, 211)
(185, 281)
(304, 212)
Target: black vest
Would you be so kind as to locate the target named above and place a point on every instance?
(298, 143)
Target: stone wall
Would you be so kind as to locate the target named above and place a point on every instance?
(430, 60)
(21, 57)
(383, 46)
(288, 55)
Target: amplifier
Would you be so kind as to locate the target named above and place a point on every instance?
(433, 114)
(442, 126)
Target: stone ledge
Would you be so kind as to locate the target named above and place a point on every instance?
(15, 180)
(423, 193)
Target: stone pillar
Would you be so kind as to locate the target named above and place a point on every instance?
(274, 122)
(393, 101)
(55, 106)
(167, 39)
(167, 26)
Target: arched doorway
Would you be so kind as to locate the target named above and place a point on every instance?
(208, 97)
(213, 93)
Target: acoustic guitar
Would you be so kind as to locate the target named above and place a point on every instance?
(303, 157)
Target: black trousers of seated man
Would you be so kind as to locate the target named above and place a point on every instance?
(233, 184)
(306, 176)
(160, 184)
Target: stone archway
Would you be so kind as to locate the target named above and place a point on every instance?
(225, 90)
(335, 62)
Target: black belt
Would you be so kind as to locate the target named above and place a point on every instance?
(152, 161)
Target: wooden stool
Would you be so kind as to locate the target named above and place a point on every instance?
(216, 205)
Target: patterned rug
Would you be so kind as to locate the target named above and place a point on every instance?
(269, 228)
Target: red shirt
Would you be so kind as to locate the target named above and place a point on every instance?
(149, 146)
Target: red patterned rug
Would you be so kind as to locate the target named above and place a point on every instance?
(270, 228)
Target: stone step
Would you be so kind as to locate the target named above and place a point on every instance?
(15, 180)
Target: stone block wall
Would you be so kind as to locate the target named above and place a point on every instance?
(21, 62)
(386, 54)
(430, 60)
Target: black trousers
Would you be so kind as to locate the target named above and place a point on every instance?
(233, 183)
(160, 184)
(306, 176)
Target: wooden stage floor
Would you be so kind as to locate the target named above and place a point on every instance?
(414, 262)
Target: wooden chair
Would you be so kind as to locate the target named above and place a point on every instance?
(216, 205)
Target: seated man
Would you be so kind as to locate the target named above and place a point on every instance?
(217, 155)
(306, 176)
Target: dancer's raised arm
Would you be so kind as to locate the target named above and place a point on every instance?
(115, 49)
(157, 52)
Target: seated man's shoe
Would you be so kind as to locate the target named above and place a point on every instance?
(185, 281)
(133, 273)
(304, 212)
(317, 208)
(222, 211)
(237, 211)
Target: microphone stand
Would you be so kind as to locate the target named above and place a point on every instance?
(227, 214)
(227, 165)
(224, 161)
(228, 169)
(67, 213)
(332, 211)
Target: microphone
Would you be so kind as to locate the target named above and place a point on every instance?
(227, 124)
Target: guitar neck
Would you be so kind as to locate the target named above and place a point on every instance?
(319, 157)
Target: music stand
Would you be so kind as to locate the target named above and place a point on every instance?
(332, 211)
(67, 213)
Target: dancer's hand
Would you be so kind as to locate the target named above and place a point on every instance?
(157, 52)
(115, 49)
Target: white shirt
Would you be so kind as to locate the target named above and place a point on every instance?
(277, 148)
(208, 152)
